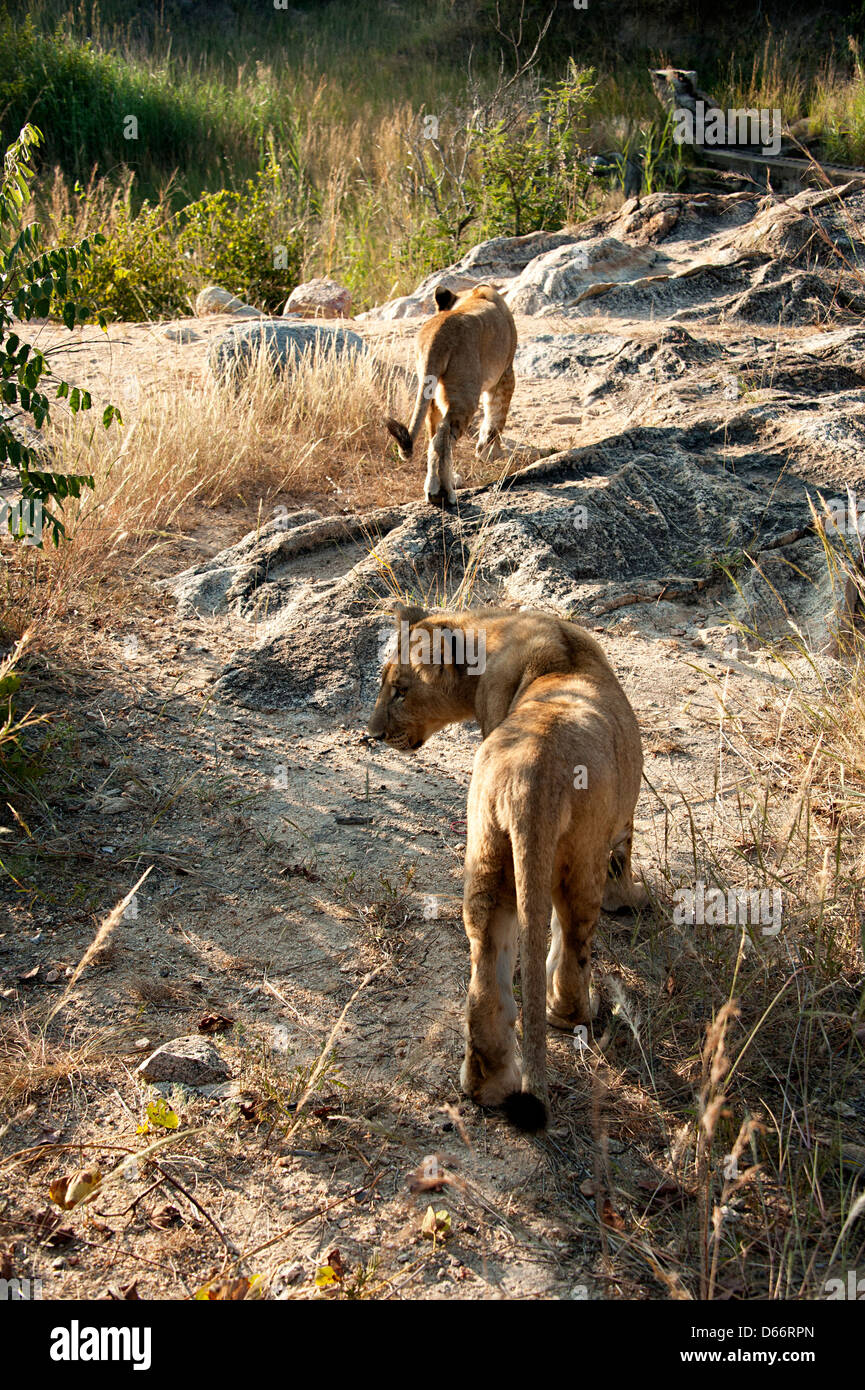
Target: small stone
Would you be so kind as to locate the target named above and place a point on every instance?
(192, 1061)
(319, 299)
(214, 300)
(182, 333)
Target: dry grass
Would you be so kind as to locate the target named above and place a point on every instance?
(191, 445)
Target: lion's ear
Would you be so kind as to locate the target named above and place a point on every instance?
(445, 299)
(406, 613)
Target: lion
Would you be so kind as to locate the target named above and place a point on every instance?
(463, 352)
(550, 819)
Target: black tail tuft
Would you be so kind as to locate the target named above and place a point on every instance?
(402, 437)
(526, 1111)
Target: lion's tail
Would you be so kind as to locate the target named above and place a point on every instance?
(533, 872)
(405, 437)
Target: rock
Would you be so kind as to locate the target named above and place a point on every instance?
(190, 1061)
(500, 259)
(636, 511)
(550, 281)
(705, 449)
(233, 352)
(214, 300)
(182, 333)
(319, 299)
(801, 298)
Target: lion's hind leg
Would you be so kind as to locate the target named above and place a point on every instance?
(496, 405)
(490, 1072)
(577, 903)
(458, 403)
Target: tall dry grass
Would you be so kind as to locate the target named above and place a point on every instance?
(312, 435)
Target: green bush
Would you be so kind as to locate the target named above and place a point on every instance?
(533, 177)
(241, 241)
(83, 99)
(151, 264)
(139, 271)
(34, 284)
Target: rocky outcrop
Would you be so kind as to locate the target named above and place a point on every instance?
(738, 431)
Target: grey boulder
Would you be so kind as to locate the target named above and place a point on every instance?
(234, 351)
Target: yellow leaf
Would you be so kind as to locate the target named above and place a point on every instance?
(325, 1278)
(159, 1112)
(435, 1223)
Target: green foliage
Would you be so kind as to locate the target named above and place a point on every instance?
(83, 97)
(532, 177)
(138, 271)
(33, 282)
(507, 176)
(241, 241)
(20, 760)
(662, 159)
(150, 264)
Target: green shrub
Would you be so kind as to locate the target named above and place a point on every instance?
(241, 241)
(83, 98)
(35, 282)
(532, 177)
(138, 272)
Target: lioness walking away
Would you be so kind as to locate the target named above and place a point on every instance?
(463, 352)
(550, 818)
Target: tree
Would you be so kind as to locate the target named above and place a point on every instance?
(32, 282)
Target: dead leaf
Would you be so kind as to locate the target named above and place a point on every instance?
(429, 1176)
(225, 1290)
(68, 1191)
(610, 1217)
(250, 1108)
(215, 1023)
(167, 1215)
(126, 1292)
(57, 1191)
(662, 1191)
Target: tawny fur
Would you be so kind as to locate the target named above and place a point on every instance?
(463, 352)
(540, 849)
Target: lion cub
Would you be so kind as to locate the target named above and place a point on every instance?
(463, 352)
(550, 818)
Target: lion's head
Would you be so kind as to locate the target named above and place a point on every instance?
(417, 697)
